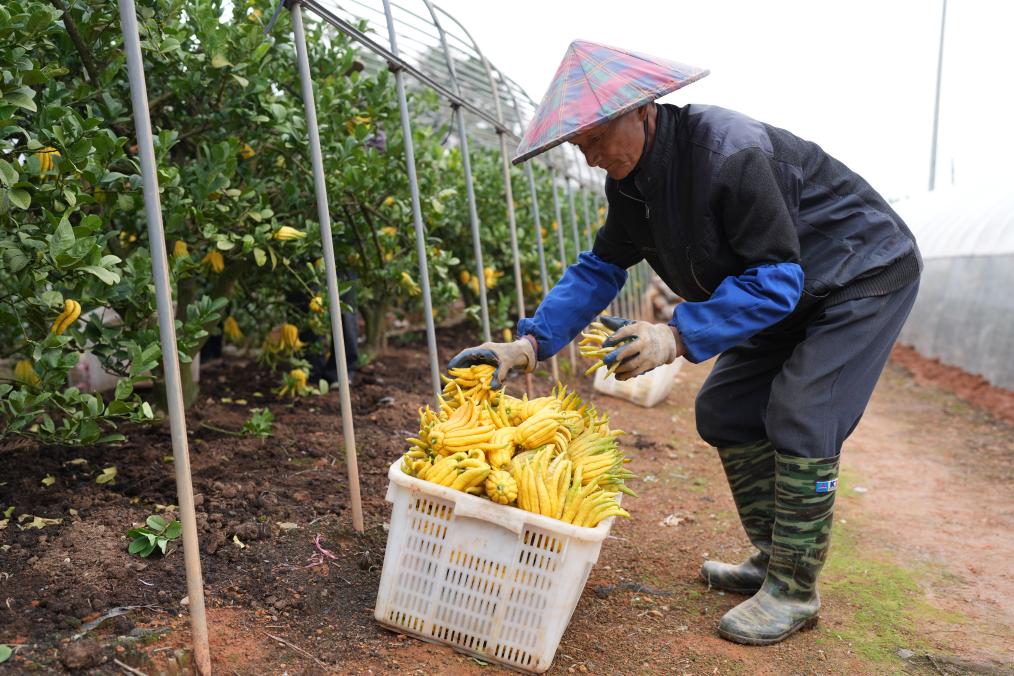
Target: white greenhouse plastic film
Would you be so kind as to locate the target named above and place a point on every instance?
(488, 580)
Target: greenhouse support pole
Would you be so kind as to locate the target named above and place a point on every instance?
(573, 220)
(512, 222)
(473, 213)
(563, 252)
(413, 183)
(513, 225)
(473, 217)
(540, 248)
(167, 335)
(554, 367)
(330, 268)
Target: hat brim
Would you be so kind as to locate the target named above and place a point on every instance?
(657, 93)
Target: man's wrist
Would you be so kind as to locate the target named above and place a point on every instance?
(678, 340)
(535, 350)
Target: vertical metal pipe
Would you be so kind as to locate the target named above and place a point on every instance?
(563, 253)
(167, 335)
(512, 223)
(330, 268)
(573, 219)
(936, 103)
(473, 214)
(589, 231)
(538, 229)
(509, 196)
(554, 367)
(473, 218)
(413, 183)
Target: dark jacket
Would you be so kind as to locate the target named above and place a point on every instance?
(720, 193)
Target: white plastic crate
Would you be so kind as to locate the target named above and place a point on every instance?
(489, 580)
(646, 389)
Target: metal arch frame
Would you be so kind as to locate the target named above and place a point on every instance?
(398, 64)
(473, 213)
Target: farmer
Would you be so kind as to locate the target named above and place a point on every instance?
(796, 273)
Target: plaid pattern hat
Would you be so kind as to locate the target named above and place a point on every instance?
(594, 84)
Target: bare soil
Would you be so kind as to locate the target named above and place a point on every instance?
(920, 563)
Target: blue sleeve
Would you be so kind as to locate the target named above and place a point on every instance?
(586, 288)
(739, 308)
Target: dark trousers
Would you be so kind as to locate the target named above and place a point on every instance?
(805, 384)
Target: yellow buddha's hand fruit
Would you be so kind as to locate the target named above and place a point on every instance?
(71, 311)
(501, 487)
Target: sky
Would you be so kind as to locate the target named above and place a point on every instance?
(858, 78)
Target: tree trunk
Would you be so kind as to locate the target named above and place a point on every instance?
(375, 319)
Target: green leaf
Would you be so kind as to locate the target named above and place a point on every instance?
(174, 530)
(124, 388)
(22, 98)
(137, 544)
(260, 257)
(8, 174)
(219, 61)
(48, 480)
(20, 198)
(15, 259)
(107, 276)
(146, 409)
(156, 522)
(5, 652)
(63, 239)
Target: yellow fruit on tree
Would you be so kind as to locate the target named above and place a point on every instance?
(464, 276)
(231, 329)
(180, 249)
(317, 304)
(246, 151)
(286, 234)
(24, 373)
(409, 284)
(71, 311)
(290, 337)
(46, 157)
(214, 260)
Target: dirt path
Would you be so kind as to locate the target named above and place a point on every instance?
(920, 561)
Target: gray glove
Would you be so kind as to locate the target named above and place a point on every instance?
(644, 346)
(504, 356)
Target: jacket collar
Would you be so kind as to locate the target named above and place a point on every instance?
(653, 169)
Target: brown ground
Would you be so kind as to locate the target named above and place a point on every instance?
(921, 560)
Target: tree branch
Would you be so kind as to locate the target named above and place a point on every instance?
(75, 37)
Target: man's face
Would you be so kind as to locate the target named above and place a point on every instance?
(616, 145)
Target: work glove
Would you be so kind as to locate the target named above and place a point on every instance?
(642, 346)
(504, 356)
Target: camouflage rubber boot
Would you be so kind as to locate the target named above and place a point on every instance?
(750, 469)
(788, 599)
